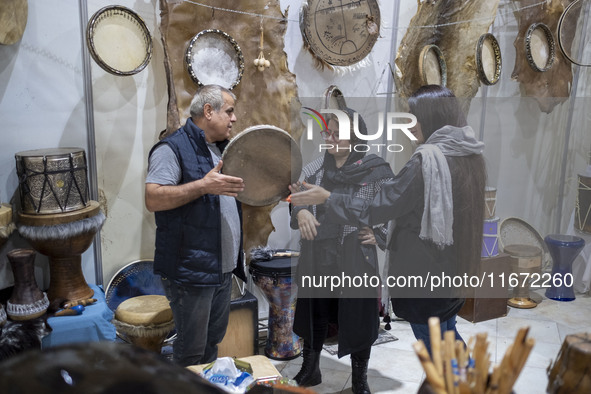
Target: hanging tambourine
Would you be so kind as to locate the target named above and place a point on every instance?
(574, 32)
(339, 34)
(540, 48)
(214, 57)
(488, 59)
(119, 40)
(432, 66)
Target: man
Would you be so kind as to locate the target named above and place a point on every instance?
(199, 224)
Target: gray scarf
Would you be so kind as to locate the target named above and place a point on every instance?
(437, 221)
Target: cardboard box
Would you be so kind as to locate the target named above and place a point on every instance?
(242, 334)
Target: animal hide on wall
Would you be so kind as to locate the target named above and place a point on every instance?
(550, 87)
(455, 27)
(263, 97)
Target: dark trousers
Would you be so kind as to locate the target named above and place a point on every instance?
(201, 317)
(421, 331)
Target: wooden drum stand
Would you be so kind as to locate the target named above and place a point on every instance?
(63, 237)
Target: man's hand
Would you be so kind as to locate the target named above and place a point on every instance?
(218, 183)
(165, 197)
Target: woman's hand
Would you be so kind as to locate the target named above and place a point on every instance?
(307, 224)
(367, 236)
(311, 194)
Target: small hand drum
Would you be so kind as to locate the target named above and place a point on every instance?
(267, 159)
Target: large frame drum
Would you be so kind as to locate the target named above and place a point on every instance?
(274, 279)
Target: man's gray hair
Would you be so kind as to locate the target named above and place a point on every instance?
(208, 94)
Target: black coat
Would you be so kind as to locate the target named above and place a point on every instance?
(357, 315)
(402, 199)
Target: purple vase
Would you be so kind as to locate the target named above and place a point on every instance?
(563, 249)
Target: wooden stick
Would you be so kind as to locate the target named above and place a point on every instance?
(448, 354)
(436, 381)
(481, 364)
(435, 334)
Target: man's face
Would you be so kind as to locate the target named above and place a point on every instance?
(219, 124)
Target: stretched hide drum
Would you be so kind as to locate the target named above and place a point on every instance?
(119, 41)
(570, 373)
(488, 59)
(525, 259)
(563, 249)
(135, 279)
(274, 279)
(490, 238)
(144, 321)
(27, 301)
(583, 205)
(515, 231)
(432, 66)
(213, 57)
(52, 180)
(267, 159)
(63, 238)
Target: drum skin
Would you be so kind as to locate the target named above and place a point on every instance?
(267, 168)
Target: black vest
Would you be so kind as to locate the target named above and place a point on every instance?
(188, 238)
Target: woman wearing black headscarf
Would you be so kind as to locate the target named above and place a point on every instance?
(437, 201)
(332, 249)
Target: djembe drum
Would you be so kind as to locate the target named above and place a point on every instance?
(57, 217)
(563, 249)
(27, 301)
(525, 259)
(274, 279)
(144, 321)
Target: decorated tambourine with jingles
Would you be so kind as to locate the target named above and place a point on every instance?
(488, 59)
(268, 159)
(540, 48)
(119, 40)
(214, 57)
(432, 66)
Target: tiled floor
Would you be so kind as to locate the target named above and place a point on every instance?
(394, 367)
